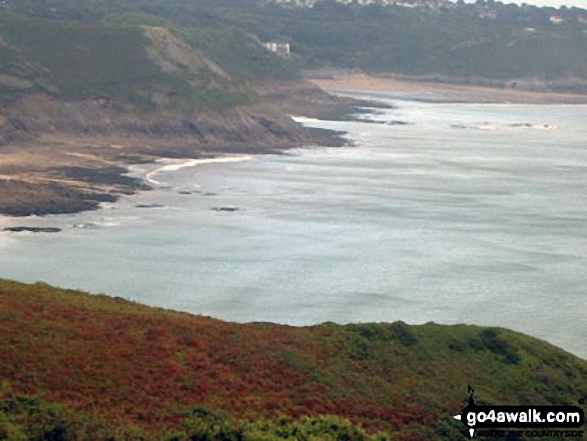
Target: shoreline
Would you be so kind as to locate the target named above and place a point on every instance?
(76, 175)
(435, 92)
(65, 175)
(179, 165)
(190, 162)
(74, 185)
(68, 166)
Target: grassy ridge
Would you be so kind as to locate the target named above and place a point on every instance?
(240, 54)
(74, 60)
(79, 60)
(134, 366)
(144, 66)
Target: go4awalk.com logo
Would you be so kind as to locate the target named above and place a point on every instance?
(522, 421)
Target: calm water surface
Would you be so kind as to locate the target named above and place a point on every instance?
(469, 213)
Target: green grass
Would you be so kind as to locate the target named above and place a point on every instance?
(240, 54)
(73, 61)
(447, 44)
(83, 60)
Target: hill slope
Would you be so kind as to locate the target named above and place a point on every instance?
(149, 83)
(146, 66)
(485, 41)
(126, 365)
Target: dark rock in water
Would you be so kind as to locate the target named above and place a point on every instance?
(370, 121)
(398, 123)
(208, 194)
(149, 206)
(184, 192)
(33, 229)
(229, 209)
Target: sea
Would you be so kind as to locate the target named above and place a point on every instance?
(434, 212)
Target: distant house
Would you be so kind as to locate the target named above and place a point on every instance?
(557, 19)
(281, 49)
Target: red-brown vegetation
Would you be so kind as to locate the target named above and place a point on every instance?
(131, 364)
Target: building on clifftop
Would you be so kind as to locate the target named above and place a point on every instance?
(280, 48)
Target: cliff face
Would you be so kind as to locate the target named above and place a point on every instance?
(255, 127)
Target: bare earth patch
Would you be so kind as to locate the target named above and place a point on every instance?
(442, 92)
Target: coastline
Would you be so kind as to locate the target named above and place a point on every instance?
(164, 200)
(442, 92)
(59, 174)
(50, 177)
(71, 171)
(188, 162)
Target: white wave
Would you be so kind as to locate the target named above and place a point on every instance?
(4, 222)
(86, 225)
(191, 163)
(484, 127)
(108, 205)
(305, 120)
(108, 221)
(110, 224)
(489, 126)
(5, 238)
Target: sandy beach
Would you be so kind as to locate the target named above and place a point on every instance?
(174, 164)
(442, 92)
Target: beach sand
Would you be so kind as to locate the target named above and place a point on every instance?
(442, 92)
(174, 164)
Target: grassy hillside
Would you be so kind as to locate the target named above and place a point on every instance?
(109, 366)
(477, 41)
(144, 66)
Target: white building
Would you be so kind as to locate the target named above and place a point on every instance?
(281, 49)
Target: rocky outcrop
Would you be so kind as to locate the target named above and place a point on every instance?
(19, 198)
(304, 99)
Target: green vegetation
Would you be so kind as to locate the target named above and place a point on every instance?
(27, 418)
(82, 60)
(119, 370)
(485, 40)
(240, 54)
(137, 58)
(201, 55)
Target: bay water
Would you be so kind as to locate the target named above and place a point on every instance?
(452, 213)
